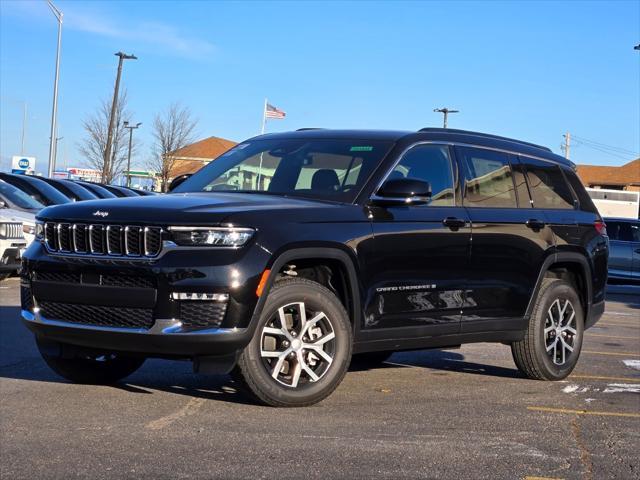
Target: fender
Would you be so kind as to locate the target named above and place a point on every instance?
(565, 257)
(331, 253)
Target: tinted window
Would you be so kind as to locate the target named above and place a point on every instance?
(430, 163)
(316, 168)
(623, 231)
(548, 187)
(18, 197)
(583, 197)
(489, 180)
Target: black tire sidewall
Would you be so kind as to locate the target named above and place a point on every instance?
(316, 298)
(562, 290)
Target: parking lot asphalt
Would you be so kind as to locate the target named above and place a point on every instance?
(461, 414)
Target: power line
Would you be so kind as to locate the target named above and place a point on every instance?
(626, 157)
(604, 145)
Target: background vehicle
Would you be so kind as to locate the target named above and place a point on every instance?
(293, 251)
(119, 191)
(36, 189)
(12, 243)
(97, 189)
(616, 203)
(624, 250)
(74, 191)
(14, 198)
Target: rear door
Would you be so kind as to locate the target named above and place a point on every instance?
(635, 239)
(510, 240)
(621, 250)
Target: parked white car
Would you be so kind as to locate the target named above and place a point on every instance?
(12, 242)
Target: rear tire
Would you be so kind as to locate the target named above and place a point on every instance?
(101, 369)
(296, 359)
(553, 340)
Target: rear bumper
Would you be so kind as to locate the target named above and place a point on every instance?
(165, 339)
(595, 312)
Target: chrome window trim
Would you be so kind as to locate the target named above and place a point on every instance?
(453, 144)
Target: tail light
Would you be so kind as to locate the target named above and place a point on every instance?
(600, 227)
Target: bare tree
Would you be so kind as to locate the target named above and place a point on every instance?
(94, 144)
(172, 129)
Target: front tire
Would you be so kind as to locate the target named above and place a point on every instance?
(552, 343)
(103, 369)
(301, 348)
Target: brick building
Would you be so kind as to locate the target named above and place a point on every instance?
(625, 177)
(193, 157)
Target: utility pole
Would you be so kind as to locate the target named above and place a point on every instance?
(114, 105)
(24, 127)
(567, 145)
(54, 113)
(446, 113)
(131, 129)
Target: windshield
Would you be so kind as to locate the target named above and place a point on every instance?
(324, 169)
(18, 197)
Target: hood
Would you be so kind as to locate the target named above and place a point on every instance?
(13, 215)
(175, 208)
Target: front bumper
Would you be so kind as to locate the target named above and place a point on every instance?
(124, 305)
(165, 339)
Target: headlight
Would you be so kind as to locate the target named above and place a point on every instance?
(39, 230)
(29, 229)
(211, 236)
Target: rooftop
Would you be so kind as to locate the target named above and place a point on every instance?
(627, 174)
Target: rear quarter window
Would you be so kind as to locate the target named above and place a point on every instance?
(586, 204)
(548, 187)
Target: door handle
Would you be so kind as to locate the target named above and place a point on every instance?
(454, 223)
(535, 224)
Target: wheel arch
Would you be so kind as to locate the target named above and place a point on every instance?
(569, 266)
(313, 254)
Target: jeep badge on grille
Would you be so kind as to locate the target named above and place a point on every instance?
(100, 213)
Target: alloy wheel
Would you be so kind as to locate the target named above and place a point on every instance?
(560, 331)
(297, 345)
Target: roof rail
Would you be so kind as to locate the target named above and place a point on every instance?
(479, 134)
(309, 128)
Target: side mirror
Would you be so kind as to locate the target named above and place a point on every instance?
(178, 180)
(403, 191)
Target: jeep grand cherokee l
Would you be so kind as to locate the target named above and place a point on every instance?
(292, 252)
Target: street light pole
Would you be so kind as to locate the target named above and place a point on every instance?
(54, 113)
(114, 105)
(446, 113)
(131, 129)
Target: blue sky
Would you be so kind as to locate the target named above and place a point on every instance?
(531, 70)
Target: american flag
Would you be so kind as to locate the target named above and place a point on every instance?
(273, 112)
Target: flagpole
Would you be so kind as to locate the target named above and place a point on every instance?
(264, 119)
(264, 116)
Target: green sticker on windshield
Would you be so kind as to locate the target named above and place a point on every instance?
(362, 148)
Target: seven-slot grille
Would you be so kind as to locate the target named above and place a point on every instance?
(13, 230)
(98, 239)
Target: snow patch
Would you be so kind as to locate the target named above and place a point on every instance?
(632, 364)
(622, 388)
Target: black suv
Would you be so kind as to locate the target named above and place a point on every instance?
(293, 252)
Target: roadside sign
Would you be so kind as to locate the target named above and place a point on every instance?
(23, 164)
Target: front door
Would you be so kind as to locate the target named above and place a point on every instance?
(417, 270)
